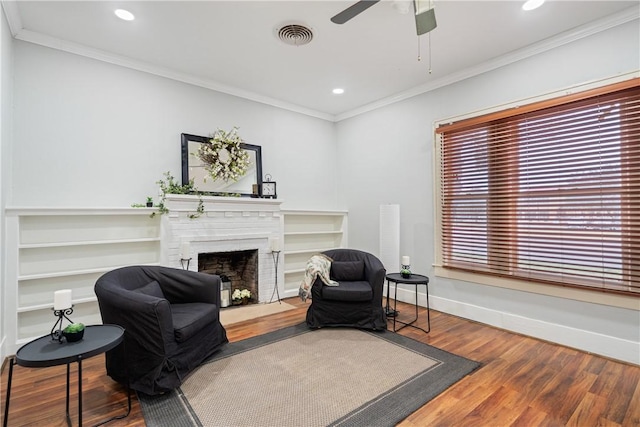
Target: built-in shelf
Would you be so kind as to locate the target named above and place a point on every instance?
(67, 248)
(50, 306)
(68, 273)
(85, 243)
(305, 234)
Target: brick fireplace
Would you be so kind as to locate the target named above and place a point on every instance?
(229, 228)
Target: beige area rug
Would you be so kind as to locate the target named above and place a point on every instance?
(231, 315)
(300, 377)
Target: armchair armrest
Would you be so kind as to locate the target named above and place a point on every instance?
(146, 319)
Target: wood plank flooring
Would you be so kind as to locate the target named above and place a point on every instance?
(522, 382)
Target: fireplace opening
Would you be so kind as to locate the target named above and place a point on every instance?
(241, 268)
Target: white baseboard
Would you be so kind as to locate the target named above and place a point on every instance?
(591, 342)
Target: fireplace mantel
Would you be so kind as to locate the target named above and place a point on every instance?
(187, 203)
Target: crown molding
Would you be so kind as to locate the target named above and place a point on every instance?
(123, 61)
(13, 16)
(627, 15)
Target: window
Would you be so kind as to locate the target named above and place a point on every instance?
(547, 192)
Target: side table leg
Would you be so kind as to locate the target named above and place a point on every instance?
(428, 310)
(80, 391)
(12, 361)
(388, 311)
(69, 423)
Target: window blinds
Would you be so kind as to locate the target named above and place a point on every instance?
(548, 192)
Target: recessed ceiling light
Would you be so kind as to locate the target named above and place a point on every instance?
(532, 4)
(124, 14)
(338, 91)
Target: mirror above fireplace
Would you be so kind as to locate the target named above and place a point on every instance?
(193, 168)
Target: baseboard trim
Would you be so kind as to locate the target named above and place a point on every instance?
(591, 342)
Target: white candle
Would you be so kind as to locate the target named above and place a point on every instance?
(406, 260)
(185, 250)
(275, 244)
(62, 299)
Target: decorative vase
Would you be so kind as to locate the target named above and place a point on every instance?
(406, 275)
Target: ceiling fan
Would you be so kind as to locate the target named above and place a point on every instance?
(425, 16)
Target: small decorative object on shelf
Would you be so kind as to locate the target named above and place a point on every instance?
(74, 332)
(241, 296)
(62, 307)
(405, 271)
(149, 202)
(268, 188)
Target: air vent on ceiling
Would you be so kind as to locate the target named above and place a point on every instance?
(295, 34)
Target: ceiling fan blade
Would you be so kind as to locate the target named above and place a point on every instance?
(425, 21)
(352, 11)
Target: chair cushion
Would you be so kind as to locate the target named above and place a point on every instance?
(190, 318)
(152, 288)
(350, 271)
(348, 291)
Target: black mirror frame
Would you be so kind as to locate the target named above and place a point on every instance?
(185, 138)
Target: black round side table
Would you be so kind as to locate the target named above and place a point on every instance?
(416, 280)
(45, 352)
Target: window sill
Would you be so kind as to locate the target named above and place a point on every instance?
(585, 295)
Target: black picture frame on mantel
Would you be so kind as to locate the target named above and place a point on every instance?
(192, 168)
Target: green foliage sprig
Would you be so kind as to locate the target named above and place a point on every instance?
(169, 185)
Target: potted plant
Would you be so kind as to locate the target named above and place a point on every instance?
(149, 202)
(241, 296)
(73, 332)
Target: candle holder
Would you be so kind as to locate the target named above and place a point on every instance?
(56, 335)
(276, 259)
(187, 261)
(405, 271)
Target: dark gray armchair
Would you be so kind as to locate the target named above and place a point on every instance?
(357, 300)
(171, 321)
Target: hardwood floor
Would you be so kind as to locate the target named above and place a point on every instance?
(522, 382)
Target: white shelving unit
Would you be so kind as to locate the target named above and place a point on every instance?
(51, 249)
(308, 232)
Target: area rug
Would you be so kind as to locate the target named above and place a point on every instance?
(302, 377)
(231, 315)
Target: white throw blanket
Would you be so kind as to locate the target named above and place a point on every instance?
(317, 266)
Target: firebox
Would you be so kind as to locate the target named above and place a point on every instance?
(239, 267)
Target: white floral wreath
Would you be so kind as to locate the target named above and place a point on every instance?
(223, 157)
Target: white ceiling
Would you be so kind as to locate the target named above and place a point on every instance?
(232, 45)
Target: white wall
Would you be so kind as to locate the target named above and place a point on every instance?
(6, 90)
(89, 133)
(386, 157)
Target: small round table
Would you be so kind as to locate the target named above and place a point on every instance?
(414, 279)
(45, 352)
